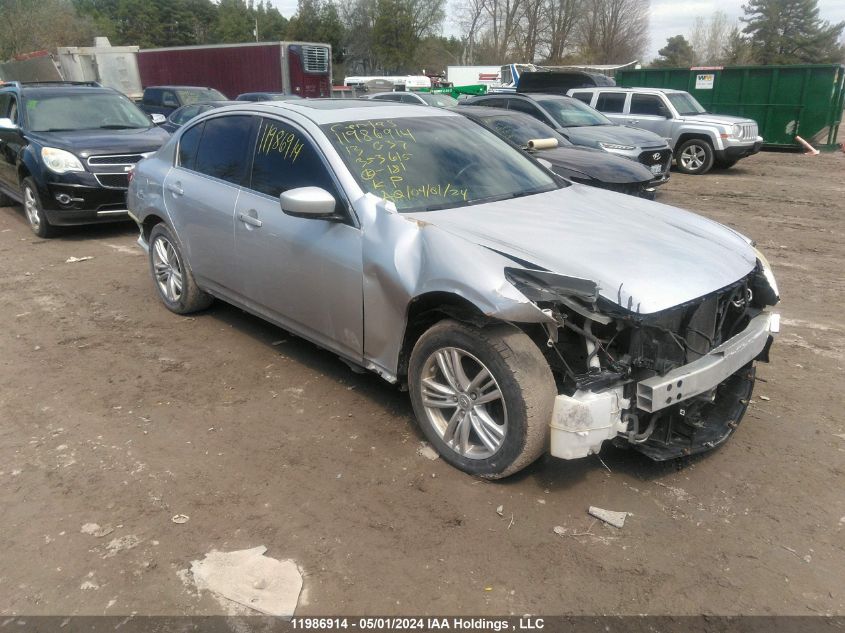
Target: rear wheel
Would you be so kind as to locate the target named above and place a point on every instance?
(172, 276)
(695, 157)
(34, 212)
(483, 396)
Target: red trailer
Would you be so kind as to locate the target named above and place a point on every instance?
(299, 68)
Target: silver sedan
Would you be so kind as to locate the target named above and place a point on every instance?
(523, 312)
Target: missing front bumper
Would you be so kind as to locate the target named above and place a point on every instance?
(702, 375)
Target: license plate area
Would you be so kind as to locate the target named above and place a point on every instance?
(656, 169)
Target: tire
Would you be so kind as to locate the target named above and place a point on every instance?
(172, 276)
(724, 163)
(34, 212)
(490, 439)
(695, 157)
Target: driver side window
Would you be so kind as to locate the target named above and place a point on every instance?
(286, 159)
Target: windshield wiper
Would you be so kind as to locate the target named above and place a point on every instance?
(117, 126)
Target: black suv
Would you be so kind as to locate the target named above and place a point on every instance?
(66, 150)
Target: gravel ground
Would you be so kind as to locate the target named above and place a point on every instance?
(116, 412)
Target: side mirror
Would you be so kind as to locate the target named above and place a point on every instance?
(157, 118)
(7, 124)
(308, 202)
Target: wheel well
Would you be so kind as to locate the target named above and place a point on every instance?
(147, 226)
(692, 135)
(426, 310)
(23, 172)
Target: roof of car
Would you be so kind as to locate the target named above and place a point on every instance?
(482, 111)
(169, 87)
(322, 111)
(620, 89)
(46, 90)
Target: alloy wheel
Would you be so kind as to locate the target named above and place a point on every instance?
(463, 403)
(168, 272)
(30, 206)
(693, 157)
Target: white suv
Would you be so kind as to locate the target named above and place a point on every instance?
(700, 139)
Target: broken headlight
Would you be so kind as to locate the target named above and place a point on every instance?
(771, 295)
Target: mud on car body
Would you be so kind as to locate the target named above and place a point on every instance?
(524, 313)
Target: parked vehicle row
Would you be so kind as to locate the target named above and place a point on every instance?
(438, 247)
(699, 138)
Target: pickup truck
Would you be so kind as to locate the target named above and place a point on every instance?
(700, 139)
(166, 99)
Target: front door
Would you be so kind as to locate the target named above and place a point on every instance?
(303, 273)
(647, 111)
(201, 192)
(10, 142)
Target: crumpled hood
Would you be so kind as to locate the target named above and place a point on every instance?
(619, 134)
(596, 164)
(644, 256)
(86, 143)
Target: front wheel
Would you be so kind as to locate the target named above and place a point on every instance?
(695, 157)
(34, 212)
(483, 396)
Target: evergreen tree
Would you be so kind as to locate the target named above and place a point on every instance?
(318, 21)
(677, 53)
(791, 32)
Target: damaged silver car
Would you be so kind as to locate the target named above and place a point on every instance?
(523, 313)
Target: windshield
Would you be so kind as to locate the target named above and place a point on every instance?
(570, 112)
(193, 96)
(428, 163)
(440, 101)
(521, 128)
(90, 111)
(685, 103)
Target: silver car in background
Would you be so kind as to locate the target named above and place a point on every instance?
(524, 313)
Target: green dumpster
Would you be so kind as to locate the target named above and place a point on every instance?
(804, 100)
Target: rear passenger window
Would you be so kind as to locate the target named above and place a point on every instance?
(188, 146)
(224, 148)
(286, 159)
(523, 106)
(647, 104)
(492, 103)
(613, 102)
(586, 97)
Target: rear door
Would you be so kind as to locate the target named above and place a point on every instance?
(201, 193)
(612, 105)
(303, 273)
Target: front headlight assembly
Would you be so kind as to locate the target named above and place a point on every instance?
(59, 161)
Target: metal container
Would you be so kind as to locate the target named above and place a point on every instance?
(786, 101)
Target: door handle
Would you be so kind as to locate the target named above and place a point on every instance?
(636, 121)
(176, 189)
(249, 219)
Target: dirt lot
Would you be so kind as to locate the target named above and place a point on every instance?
(116, 412)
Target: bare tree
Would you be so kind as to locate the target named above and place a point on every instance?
(503, 18)
(562, 17)
(30, 25)
(471, 15)
(613, 31)
(710, 37)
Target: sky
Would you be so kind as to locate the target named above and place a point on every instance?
(668, 17)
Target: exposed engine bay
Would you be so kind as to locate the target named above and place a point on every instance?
(668, 384)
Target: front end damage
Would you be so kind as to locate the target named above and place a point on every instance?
(669, 384)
